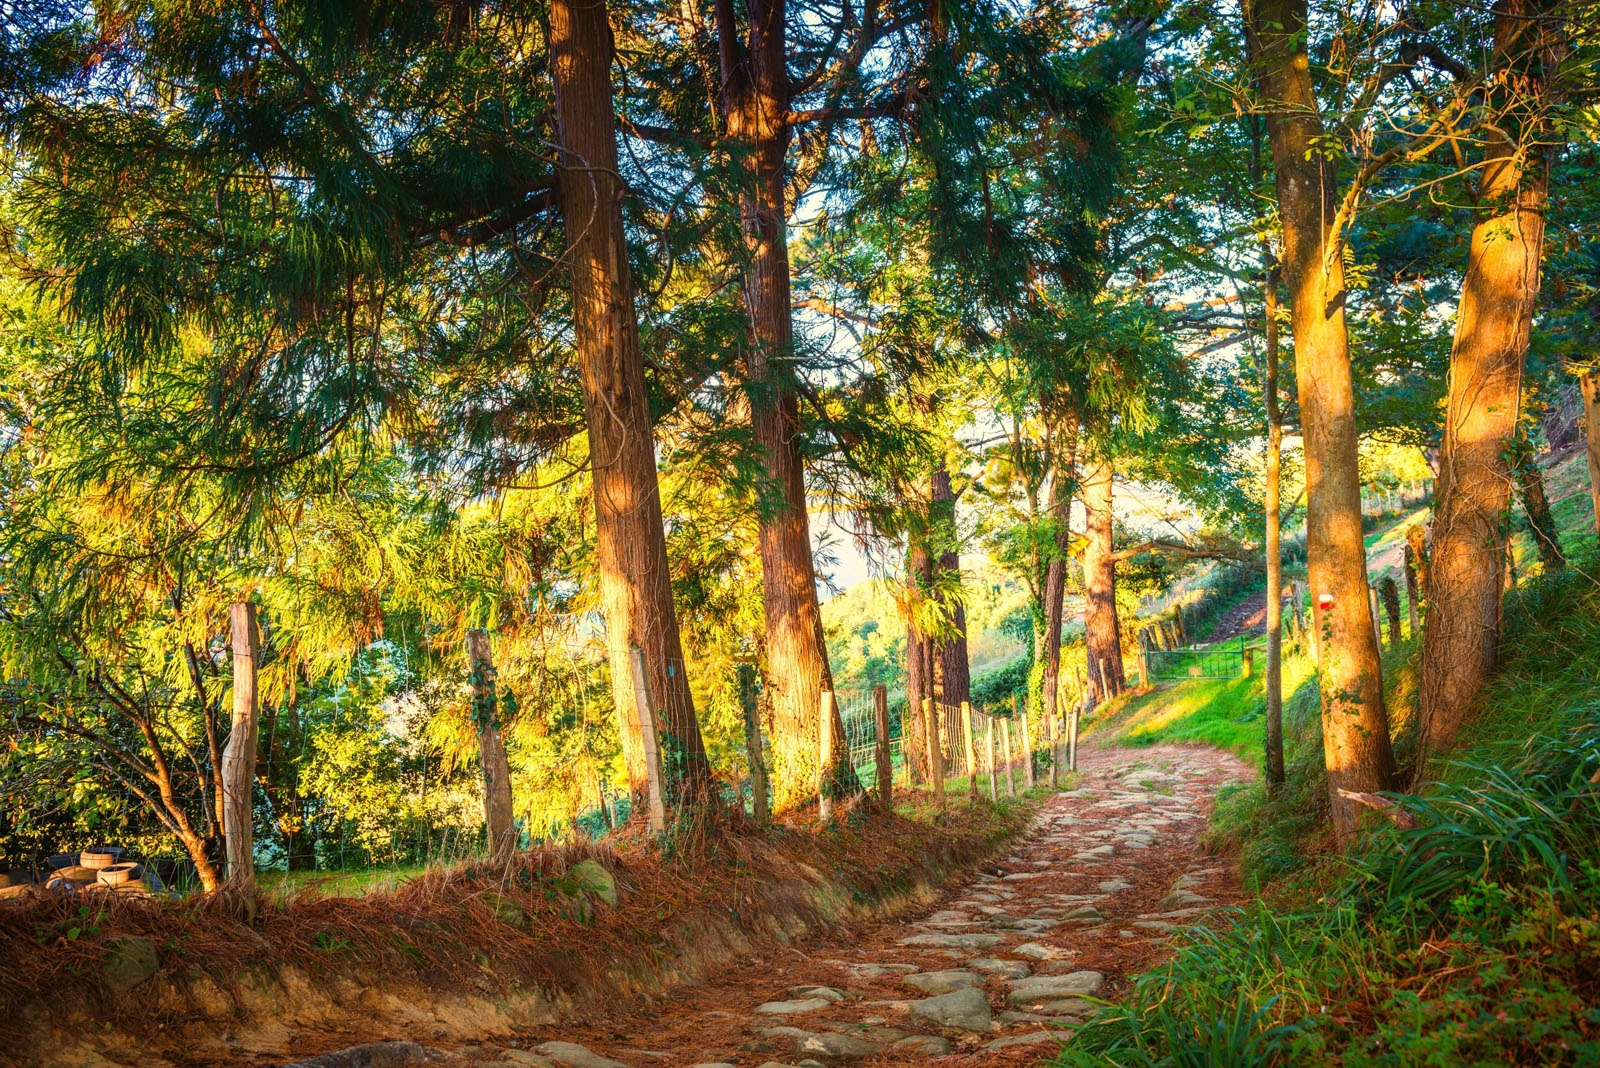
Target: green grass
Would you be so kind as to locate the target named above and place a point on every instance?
(1226, 713)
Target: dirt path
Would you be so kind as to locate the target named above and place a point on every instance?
(987, 977)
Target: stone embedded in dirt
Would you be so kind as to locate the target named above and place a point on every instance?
(1084, 912)
(1180, 898)
(948, 916)
(942, 982)
(878, 971)
(954, 941)
(1036, 951)
(504, 909)
(826, 993)
(1036, 1038)
(964, 1010)
(531, 1060)
(129, 961)
(1073, 1009)
(1045, 987)
(922, 1045)
(592, 876)
(369, 1055)
(1023, 876)
(784, 1008)
(1152, 925)
(715, 1064)
(1115, 884)
(1058, 967)
(834, 1046)
(575, 1056)
(1011, 969)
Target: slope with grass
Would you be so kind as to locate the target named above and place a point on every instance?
(1464, 932)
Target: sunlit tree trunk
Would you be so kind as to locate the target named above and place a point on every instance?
(755, 100)
(1063, 486)
(1102, 632)
(631, 548)
(919, 676)
(1461, 635)
(1355, 725)
(955, 672)
(1274, 679)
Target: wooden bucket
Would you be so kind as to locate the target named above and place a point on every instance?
(96, 859)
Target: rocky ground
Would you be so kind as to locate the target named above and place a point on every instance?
(998, 973)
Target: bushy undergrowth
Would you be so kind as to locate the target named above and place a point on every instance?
(1469, 939)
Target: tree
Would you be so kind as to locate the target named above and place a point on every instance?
(1354, 721)
(631, 548)
(1494, 320)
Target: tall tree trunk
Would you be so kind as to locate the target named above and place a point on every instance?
(1274, 680)
(1102, 632)
(755, 100)
(1063, 486)
(1355, 725)
(919, 675)
(1461, 636)
(631, 548)
(954, 670)
(1536, 503)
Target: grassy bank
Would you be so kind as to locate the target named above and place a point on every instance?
(1469, 938)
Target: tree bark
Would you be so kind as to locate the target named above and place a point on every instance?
(1355, 725)
(954, 670)
(239, 757)
(1102, 632)
(631, 548)
(1063, 485)
(1461, 638)
(501, 833)
(919, 673)
(755, 104)
(1272, 508)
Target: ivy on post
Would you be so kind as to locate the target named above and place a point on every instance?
(655, 795)
(971, 750)
(880, 714)
(752, 742)
(239, 757)
(825, 757)
(502, 834)
(1005, 733)
(994, 789)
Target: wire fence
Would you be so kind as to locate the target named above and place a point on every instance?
(353, 793)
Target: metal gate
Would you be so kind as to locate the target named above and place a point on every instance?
(1215, 662)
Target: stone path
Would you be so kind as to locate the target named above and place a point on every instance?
(996, 974)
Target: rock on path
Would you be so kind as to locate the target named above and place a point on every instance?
(997, 973)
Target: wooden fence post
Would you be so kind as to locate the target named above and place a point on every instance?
(825, 756)
(652, 744)
(1055, 744)
(930, 730)
(1005, 734)
(880, 717)
(1589, 386)
(994, 787)
(1072, 734)
(1377, 625)
(752, 743)
(972, 755)
(1027, 741)
(239, 756)
(502, 833)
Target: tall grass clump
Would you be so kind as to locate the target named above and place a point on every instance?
(1465, 931)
